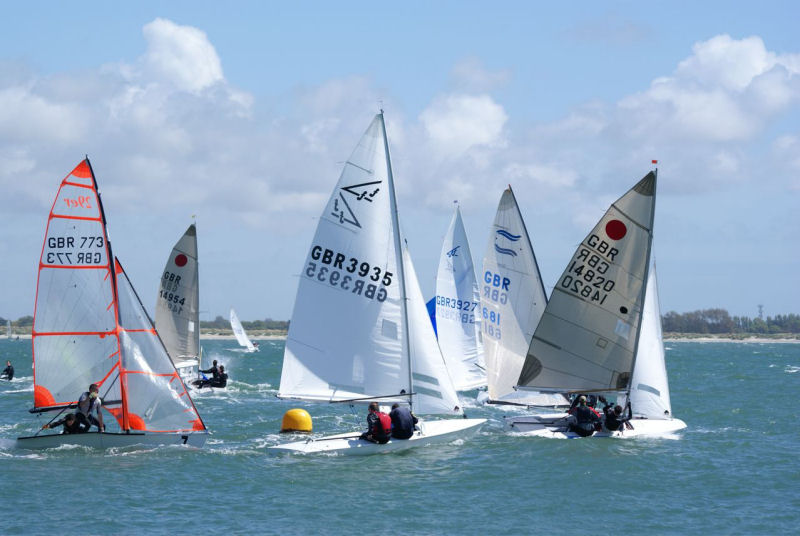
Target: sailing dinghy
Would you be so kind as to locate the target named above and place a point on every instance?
(601, 330)
(89, 326)
(512, 302)
(360, 331)
(178, 306)
(457, 315)
(241, 335)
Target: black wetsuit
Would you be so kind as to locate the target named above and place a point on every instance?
(214, 371)
(403, 422)
(613, 422)
(220, 380)
(75, 428)
(586, 418)
(8, 373)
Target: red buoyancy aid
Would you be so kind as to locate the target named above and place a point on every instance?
(386, 423)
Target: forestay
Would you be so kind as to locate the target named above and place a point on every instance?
(350, 337)
(90, 327)
(177, 307)
(512, 298)
(587, 336)
(458, 311)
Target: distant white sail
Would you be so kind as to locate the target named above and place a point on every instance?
(177, 307)
(586, 339)
(649, 385)
(8, 328)
(241, 336)
(512, 302)
(457, 310)
(360, 329)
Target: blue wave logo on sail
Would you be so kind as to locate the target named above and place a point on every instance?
(501, 233)
(453, 252)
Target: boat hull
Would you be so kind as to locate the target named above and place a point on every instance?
(554, 425)
(104, 440)
(429, 433)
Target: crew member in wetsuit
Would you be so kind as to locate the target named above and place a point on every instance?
(403, 422)
(585, 418)
(89, 410)
(70, 423)
(214, 370)
(221, 380)
(614, 421)
(379, 425)
(8, 372)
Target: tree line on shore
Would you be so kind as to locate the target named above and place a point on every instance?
(705, 321)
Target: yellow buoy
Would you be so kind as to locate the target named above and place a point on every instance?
(296, 420)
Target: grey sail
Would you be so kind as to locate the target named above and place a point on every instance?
(587, 337)
(177, 307)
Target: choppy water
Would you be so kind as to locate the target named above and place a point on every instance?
(735, 470)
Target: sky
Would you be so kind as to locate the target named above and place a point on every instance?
(242, 117)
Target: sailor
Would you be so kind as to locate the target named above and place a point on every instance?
(214, 370)
(221, 380)
(70, 423)
(614, 421)
(585, 419)
(379, 425)
(8, 372)
(89, 410)
(403, 421)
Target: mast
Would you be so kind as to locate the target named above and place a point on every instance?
(398, 251)
(112, 266)
(643, 293)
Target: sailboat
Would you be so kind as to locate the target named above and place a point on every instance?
(241, 335)
(360, 331)
(457, 315)
(601, 330)
(90, 327)
(512, 302)
(8, 329)
(177, 306)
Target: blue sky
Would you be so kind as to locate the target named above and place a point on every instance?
(244, 114)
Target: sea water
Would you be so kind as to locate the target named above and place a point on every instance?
(734, 470)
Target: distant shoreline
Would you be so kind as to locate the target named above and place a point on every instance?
(760, 340)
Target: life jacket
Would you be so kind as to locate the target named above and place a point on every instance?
(386, 423)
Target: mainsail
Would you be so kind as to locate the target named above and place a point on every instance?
(512, 298)
(90, 327)
(359, 328)
(238, 331)
(177, 307)
(457, 310)
(587, 337)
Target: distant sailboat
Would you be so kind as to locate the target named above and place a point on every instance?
(177, 305)
(457, 315)
(360, 331)
(241, 335)
(8, 329)
(512, 302)
(90, 327)
(602, 324)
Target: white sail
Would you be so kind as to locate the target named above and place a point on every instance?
(352, 334)
(8, 328)
(586, 339)
(177, 307)
(90, 327)
(649, 385)
(512, 300)
(238, 331)
(457, 310)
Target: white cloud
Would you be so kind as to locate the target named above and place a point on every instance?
(471, 76)
(456, 123)
(181, 55)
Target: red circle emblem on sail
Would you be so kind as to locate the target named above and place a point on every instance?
(615, 229)
(180, 260)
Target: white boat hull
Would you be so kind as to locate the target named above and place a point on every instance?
(554, 425)
(104, 440)
(429, 433)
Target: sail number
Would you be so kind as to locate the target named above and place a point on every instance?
(347, 273)
(169, 284)
(491, 322)
(73, 257)
(495, 287)
(585, 275)
(83, 201)
(463, 309)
